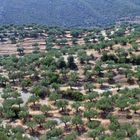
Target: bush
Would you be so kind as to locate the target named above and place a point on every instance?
(71, 136)
(54, 133)
(120, 134)
(93, 124)
(71, 95)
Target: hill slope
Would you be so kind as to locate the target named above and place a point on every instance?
(67, 13)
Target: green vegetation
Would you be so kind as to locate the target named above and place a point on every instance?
(79, 13)
(68, 90)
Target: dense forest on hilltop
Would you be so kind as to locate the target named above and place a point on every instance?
(72, 13)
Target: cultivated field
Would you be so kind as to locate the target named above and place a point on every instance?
(78, 84)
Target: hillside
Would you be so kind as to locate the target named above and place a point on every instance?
(76, 84)
(84, 13)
